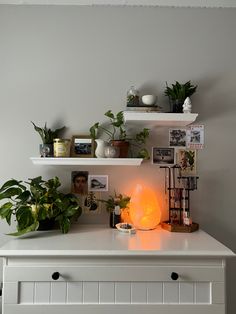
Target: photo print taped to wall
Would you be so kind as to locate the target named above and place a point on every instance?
(88, 200)
(195, 136)
(177, 138)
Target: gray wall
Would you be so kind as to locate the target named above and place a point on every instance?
(68, 65)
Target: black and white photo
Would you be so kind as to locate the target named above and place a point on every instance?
(98, 183)
(163, 156)
(177, 138)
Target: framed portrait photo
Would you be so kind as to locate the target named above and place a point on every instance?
(82, 146)
(163, 156)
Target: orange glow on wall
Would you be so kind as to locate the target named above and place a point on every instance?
(145, 211)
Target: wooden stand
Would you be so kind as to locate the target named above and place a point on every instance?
(179, 228)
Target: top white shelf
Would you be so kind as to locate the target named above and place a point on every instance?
(150, 119)
(51, 161)
(160, 3)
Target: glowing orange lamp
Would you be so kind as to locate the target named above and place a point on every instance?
(144, 208)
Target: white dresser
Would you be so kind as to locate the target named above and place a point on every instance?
(94, 269)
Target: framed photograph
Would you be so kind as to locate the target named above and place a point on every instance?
(82, 146)
(187, 159)
(163, 156)
(177, 137)
(98, 183)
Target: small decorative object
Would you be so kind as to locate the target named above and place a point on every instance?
(178, 93)
(144, 208)
(126, 228)
(98, 183)
(100, 148)
(47, 136)
(187, 106)
(117, 136)
(61, 147)
(195, 137)
(178, 188)
(163, 156)
(149, 100)
(114, 205)
(177, 138)
(82, 146)
(111, 151)
(132, 97)
(37, 202)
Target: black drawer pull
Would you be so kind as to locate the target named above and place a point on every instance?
(174, 276)
(55, 275)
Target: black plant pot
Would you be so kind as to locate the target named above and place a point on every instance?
(176, 106)
(47, 224)
(114, 219)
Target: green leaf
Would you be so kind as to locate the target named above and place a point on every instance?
(8, 184)
(24, 197)
(30, 228)
(24, 217)
(93, 130)
(143, 153)
(109, 114)
(64, 224)
(42, 212)
(5, 209)
(10, 193)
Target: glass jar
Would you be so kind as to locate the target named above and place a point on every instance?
(132, 97)
(61, 147)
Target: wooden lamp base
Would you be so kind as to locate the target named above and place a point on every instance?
(180, 228)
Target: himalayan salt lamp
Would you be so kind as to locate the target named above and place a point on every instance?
(144, 208)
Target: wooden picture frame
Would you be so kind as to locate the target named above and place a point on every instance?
(82, 146)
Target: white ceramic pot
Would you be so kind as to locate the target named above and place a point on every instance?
(100, 149)
(149, 100)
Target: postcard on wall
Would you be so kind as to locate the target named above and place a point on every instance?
(187, 160)
(195, 137)
(163, 156)
(98, 183)
(177, 137)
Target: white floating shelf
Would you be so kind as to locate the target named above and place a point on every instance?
(150, 119)
(160, 3)
(48, 161)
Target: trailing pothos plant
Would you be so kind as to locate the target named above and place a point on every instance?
(31, 203)
(115, 129)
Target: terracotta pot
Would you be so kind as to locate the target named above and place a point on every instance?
(123, 148)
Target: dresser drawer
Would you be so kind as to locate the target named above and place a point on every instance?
(114, 273)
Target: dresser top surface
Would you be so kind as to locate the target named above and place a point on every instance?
(99, 240)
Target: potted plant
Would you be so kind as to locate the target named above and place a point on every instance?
(178, 93)
(116, 206)
(47, 136)
(34, 203)
(117, 136)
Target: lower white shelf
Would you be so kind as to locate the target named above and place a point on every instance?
(48, 161)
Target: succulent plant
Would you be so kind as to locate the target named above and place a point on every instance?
(180, 91)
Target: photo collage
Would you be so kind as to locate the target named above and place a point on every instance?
(88, 188)
(182, 149)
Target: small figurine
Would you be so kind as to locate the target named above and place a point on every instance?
(187, 106)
